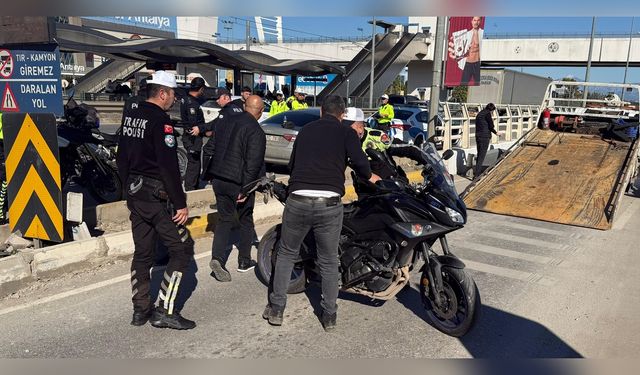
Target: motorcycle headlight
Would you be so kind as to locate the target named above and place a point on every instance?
(455, 216)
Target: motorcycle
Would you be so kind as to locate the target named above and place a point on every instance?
(386, 232)
(87, 155)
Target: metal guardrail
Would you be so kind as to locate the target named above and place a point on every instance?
(459, 122)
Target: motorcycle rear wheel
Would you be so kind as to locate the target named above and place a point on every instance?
(267, 261)
(461, 305)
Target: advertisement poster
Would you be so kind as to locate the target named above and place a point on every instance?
(464, 51)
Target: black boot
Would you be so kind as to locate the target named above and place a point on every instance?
(273, 314)
(162, 319)
(328, 321)
(140, 318)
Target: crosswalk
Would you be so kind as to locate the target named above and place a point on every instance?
(516, 249)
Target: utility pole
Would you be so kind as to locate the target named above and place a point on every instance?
(626, 67)
(373, 57)
(586, 76)
(434, 101)
(248, 36)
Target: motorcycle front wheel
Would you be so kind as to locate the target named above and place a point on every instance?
(460, 302)
(267, 262)
(182, 162)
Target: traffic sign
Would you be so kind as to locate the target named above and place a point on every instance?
(31, 80)
(6, 63)
(9, 103)
(33, 175)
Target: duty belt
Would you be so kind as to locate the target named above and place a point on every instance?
(151, 186)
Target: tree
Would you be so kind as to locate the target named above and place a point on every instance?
(399, 86)
(459, 94)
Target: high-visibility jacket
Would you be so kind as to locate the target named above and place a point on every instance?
(1, 132)
(375, 139)
(386, 109)
(278, 107)
(296, 104)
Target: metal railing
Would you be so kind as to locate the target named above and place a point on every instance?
(459, 122)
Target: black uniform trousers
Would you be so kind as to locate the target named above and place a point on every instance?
(482, 145)
(150, 221)
(231, 214)
(192, 174)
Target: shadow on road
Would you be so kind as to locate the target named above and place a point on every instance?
(499, 334)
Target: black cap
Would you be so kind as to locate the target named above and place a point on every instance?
(197, 83)
(219, 91)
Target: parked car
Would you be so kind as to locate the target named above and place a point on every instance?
(395, 99)
(409, 121)
(281, 131)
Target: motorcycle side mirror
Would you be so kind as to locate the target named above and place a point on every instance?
(447, 154)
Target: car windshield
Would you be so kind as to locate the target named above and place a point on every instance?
(299, 118)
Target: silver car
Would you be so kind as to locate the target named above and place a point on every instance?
(281, 131)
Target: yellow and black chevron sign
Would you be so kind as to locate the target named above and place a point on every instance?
(33, 175)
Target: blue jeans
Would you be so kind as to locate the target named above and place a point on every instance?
(325, 220)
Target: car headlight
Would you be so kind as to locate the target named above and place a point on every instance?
(455, 216)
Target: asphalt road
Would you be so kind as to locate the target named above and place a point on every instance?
(547, 290)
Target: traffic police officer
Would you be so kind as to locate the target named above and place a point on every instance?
(148, 163)
(278, 105)
(193, 117)
(386, 114)
(297, 102)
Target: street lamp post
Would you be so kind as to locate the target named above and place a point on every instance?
(348, 100)
(626, 66)
(373, 57)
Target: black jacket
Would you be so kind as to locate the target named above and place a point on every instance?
(191, 115)
(240, 145)
(484, 125)
(320, 154)
(147, 147)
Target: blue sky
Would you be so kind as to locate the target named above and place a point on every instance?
(342, 27)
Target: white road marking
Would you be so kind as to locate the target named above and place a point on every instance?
(507, 253)
(510, 273)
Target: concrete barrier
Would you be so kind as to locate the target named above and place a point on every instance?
(67, 256)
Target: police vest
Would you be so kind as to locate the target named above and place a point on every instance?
(376, 139)
(278, 107)
(297, 105)
(386, 109)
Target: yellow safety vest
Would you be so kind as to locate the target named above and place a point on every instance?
(297, 105)
(375, 139)
(386, 109)
(1, 132)
(278, 107)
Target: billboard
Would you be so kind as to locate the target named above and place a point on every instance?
(169, 24)
(464, 51)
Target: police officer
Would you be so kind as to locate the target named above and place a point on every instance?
(148, 163)
(222, 96)
(278, 105)
(297, 102)
(132, 102)
(386, 114)
(193, 117)
(380, 141)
